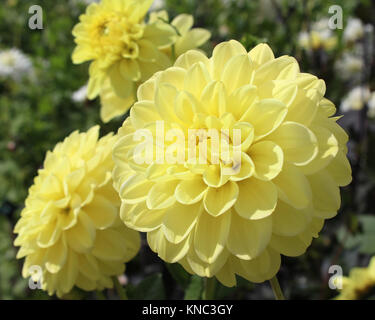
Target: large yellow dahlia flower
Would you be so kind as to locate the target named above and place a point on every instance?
(70, 227)
(234, 212)
(125, 50)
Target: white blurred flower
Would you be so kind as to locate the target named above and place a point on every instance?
(354, 30)
(14, 64)
(350, 67)
(157, 5)
(356, 99)
(371, 106)
(80, 95)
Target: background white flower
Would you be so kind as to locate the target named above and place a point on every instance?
(356, 99)
(354, 30)
(157, 5)
(14, 64)
(80, 95)
(350, 67)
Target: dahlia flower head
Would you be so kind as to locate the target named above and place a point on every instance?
(210, 218)
(70, 227)
(359, 282)
(123, 49)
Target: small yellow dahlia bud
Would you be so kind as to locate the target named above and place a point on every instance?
(70, 228)
(228, 162)
(123, 49)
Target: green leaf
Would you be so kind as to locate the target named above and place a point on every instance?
(179, 274)
(195, 288)
(150, 288)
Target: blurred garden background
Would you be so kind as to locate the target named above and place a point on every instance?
(42, 100)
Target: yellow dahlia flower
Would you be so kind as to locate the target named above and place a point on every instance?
(70, 226)
(359, 282)
(268, 194)
(125, 50)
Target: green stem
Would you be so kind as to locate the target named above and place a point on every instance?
(100, 295)
(120, 289)
(276, 289)
(209, 289)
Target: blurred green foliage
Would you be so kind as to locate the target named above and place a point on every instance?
(38, 112)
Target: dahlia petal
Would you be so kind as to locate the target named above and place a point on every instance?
(143, 113)
(183, 23)
(340, 170)
(248, 238)
(226, 275)
(161, 195)
(174, 76)
(191, 40)
(196, 79)
(50, 234)
(214, 98)
(166, 250)
(207, 244)
(266, 116)
(179, 220)
(190, 191)
(289, 246)
(160, 34)
(85, 283)
(242, 98)
(219, 200)
(111, 104)
(304, 107)
(81, 54)
(89, 267)
(82, 236)
(213, 176)
(102, 212)
(134, 189)
(164, 102)
(293, 186)
(299, 144)
(69, 273)
(261, 54)
(129, 69)
(268, 159)
(241, 77)
(222, 53)
(138, 217)
(109, 245)
(190, 58)
(282, 68)
(147, 51)
(256, 200)
(146, 91)
(204, 269)
(289, 221)
(326, 194)
(327, 150)
(247, 168)
(55, 256)
(123, 87)
(185, 106)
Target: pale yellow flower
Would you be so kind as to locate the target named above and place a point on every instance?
(124, 50)
(210, 217)
(70, 226)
